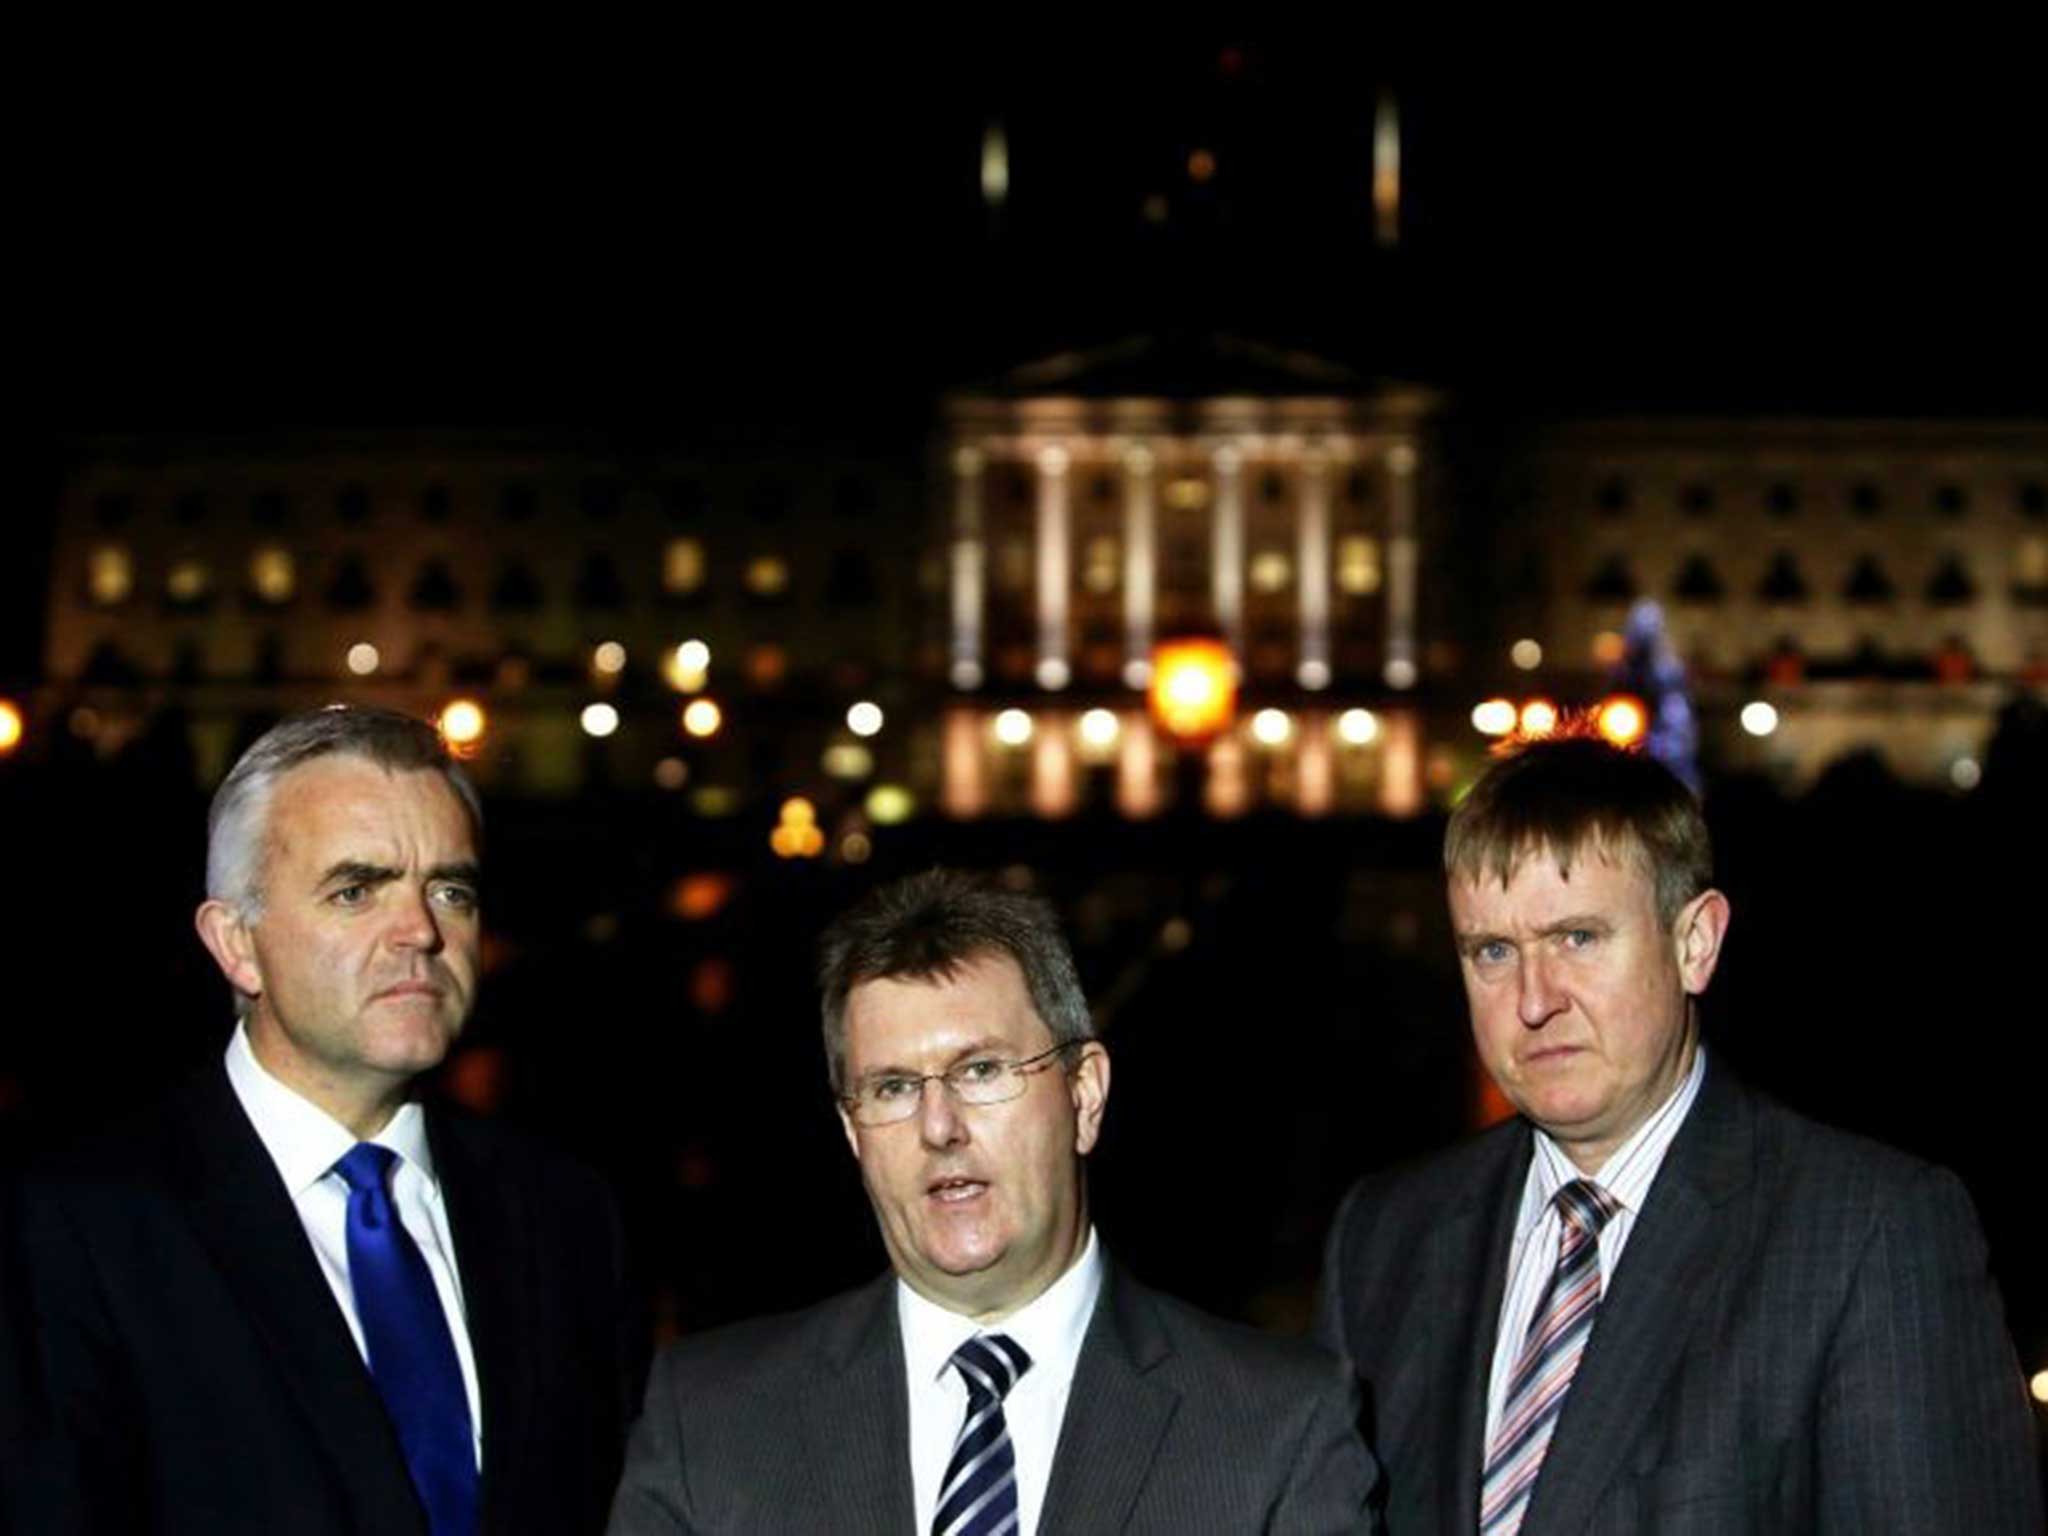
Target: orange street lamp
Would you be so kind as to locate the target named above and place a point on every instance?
(10, 726)
(1194, 687)
(462, 725)
(1622, 720)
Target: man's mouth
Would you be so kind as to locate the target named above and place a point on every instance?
(953, 1190)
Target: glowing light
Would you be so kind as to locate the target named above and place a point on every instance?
(1358, 727)
(699, 895)
(462, 726)
(1099, 729)
(2039, 1386)
(1270, 571)
(1013, 727)
(272, 576)
(1526, 654)
(767, 576)
(855, 848)
(1176, 934)
(966, 674)
(682, 566)
(1313, 675)
(864, 718)
(1759, 718)
(671, 773)
(848, 760)
(363, 658)
(798, 812)
(1137, 673)
(714, 800)
(995, 166)
(1386, 171)
(1622, 720)
(1201, 166)
(1538, 718)
(599, 720)
(109, 575)
(890, 805)
(1965, 773)
(1272, 727)
(702, 717)
(1495, 717)
(11, 726)
(1194, 687)
(1609, 647)
(1053, 673)
(1358, 565)
(1400, 673)
(187, 582)
(608, 658)
(687, 666)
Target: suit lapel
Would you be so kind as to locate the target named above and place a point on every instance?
(244, 1216)
(854, 1425)
(1475, 1239)
(1645, 1318)
(1117, 1413)
(495, 1255)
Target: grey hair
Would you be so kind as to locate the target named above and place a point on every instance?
(928, 926)
(237, 821)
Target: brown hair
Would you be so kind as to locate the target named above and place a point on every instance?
(1576, 795)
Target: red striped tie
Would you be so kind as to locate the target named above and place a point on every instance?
(1550, 1356)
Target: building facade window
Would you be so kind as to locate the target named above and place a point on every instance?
(1950, 586)
(1698, 581)
(516, 590)
(350, 590)
(109, 576)
(434, 589)
(1782, 583)
(1611, 582)
(273, 576)
(1868, 582)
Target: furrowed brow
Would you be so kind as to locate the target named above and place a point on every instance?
(356, 872)
(462, 874)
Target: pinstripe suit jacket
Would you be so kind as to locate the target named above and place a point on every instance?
(1802, 1335)
(1176, 1423)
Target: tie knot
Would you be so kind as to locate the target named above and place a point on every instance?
(1585, 1205)
(991, 1364)
(366, 1166)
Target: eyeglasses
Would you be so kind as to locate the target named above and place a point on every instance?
(893, 1096)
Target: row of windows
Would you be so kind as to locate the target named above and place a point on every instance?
(515, 502)
(1018, 485)
(1698, 581)
(1355, 565)
(272, 579)
(1784, 499)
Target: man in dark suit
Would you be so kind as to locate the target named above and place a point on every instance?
(1005, 1376)
(288, 1298)
(1656, 1301)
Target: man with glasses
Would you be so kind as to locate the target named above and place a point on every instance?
(1005, 1376)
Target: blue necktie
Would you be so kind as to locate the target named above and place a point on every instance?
(412, 1356)
(979, 1495)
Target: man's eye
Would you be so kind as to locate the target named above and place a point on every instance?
(1493, 952)
(351, 896)
(1579, 938)
(461, 897)
(984, 1069)
(883, 1089)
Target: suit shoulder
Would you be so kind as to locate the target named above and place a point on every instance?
(1239, 1357)
(1805, 1154)
(520, 1158)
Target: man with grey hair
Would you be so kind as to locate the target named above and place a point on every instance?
(1004, 1376)
(290, 1297)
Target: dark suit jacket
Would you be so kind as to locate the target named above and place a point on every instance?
(1176, 1423)
(178, 1362)
(1802, 1335)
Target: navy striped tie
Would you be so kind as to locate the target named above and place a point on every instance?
(979, 1495)
(1557, 1336)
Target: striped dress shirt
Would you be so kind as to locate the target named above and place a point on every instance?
(1626, 1177)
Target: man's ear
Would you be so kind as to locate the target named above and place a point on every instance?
(846, 1125)
(1701, 927)
(1089, 1084)
(226, 935)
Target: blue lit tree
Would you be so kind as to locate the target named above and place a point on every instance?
(1650, 669)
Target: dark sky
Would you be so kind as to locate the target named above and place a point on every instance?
(614, 231)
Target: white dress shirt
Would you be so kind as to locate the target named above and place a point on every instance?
(1050, 1328)
(1626, 1177)
(305, 1143)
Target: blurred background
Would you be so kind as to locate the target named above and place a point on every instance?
(1155, 475)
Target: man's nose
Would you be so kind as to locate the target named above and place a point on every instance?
(1539, 998)
(413, 921)
(939, 1119)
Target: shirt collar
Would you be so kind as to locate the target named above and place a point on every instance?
(1050, 1326)
(1626, 1176)
(303, 1140)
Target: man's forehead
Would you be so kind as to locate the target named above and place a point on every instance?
(340, 795)
(1538, 867)
(980, 995)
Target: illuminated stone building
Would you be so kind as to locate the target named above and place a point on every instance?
(233, 581)
(1880, 585)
